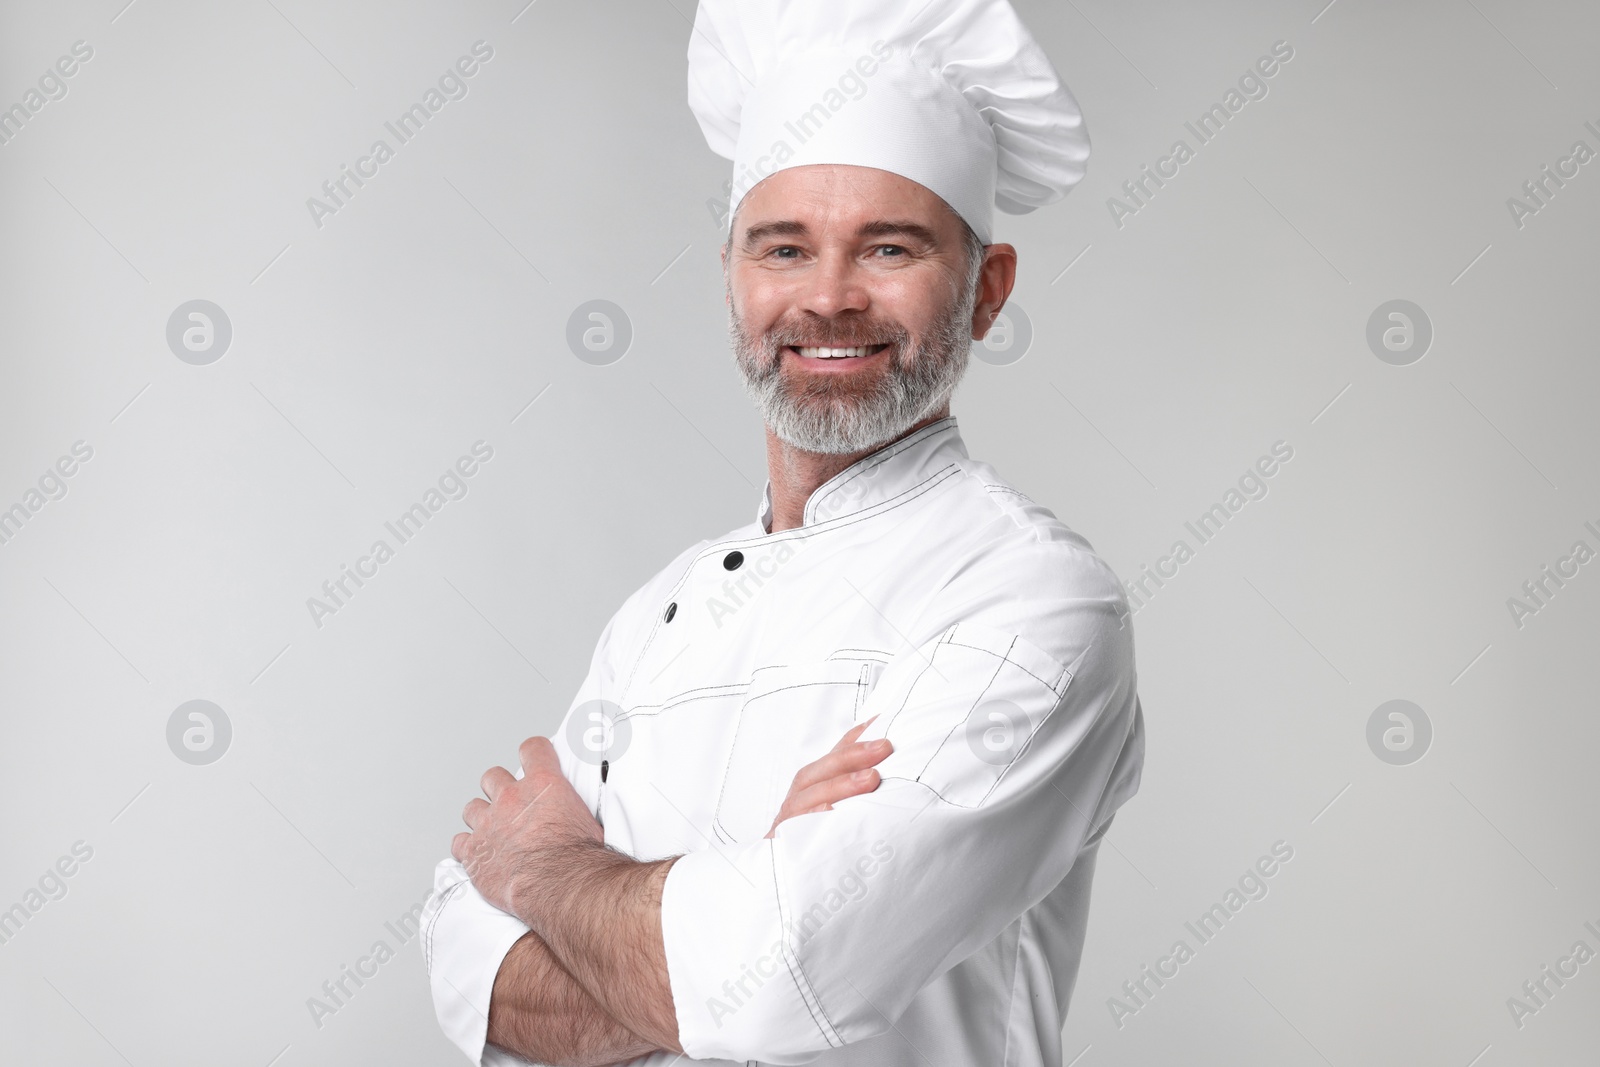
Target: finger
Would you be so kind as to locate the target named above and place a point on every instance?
(852, 733)
(834, 789)
(495, 779)
(860, 754)
(855, 756)
(537, 753)
(476, 808)
(459, 846)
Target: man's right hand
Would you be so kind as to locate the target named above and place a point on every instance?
(846, 771)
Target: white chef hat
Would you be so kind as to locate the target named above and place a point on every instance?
(954, 94)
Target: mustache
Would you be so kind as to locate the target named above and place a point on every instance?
(849, 335)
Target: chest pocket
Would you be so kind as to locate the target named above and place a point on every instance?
(791, 716)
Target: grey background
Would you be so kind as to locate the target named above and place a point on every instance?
(369, 353)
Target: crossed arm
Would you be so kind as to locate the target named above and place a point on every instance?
(541, 1013)
(588, 984)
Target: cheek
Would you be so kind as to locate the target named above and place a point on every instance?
(759, 299)
(905, 304)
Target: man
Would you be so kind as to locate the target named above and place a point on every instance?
(834, 785)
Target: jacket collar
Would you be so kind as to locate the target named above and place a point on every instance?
(879, 476)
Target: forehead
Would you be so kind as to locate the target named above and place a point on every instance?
(840, 200)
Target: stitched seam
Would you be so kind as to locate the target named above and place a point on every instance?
(892, 451)
(808, 995)
(427, 941)
(796, 685)
(968, 716)
(722, 791)
(1011, 992)
(1018, 666)
(912, 688)
(688, 696)
(1060, 700)
(867, 653)
(925, 785)
(804, 533)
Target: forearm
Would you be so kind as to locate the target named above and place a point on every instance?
(539, 1012)
(600, 917)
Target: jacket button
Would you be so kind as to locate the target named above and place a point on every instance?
(672, 609)
(732, 560)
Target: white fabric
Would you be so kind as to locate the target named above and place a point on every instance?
(937, 920)
(954, 94)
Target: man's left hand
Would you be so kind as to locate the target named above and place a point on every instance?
(521, 831)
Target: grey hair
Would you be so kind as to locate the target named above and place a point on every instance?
(975, 249)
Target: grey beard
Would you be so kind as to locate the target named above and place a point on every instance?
(824, 416)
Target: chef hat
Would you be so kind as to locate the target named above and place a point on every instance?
(955, 95)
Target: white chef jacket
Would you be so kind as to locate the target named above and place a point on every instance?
(937, 920)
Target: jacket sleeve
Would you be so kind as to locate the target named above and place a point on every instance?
(1007, 760)
(465, 942)
(465, 937)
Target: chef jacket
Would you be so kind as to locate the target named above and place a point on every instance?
(936, 920)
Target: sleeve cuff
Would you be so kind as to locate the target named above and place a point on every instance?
(466, 940)
(738, 989)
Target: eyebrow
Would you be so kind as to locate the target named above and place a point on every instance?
(881, 228)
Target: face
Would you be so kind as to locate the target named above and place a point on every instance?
(850, 305)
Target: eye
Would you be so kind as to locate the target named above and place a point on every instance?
(896, 250)
(781, 249)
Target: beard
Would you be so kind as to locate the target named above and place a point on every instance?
(839, 413)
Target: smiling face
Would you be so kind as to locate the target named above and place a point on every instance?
(854, 295)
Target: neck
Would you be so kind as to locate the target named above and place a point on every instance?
(796, 473)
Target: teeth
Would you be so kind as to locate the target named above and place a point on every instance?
(835, 353)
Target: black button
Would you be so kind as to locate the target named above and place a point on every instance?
(605, 768)
(731, 561)
(672, 609)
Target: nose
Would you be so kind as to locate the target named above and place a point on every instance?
(834, 286)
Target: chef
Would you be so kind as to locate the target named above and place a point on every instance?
(834, 785)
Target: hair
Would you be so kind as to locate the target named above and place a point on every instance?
(975, 249)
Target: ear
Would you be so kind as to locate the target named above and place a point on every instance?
(995, 280)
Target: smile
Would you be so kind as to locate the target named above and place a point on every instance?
(855, 352)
